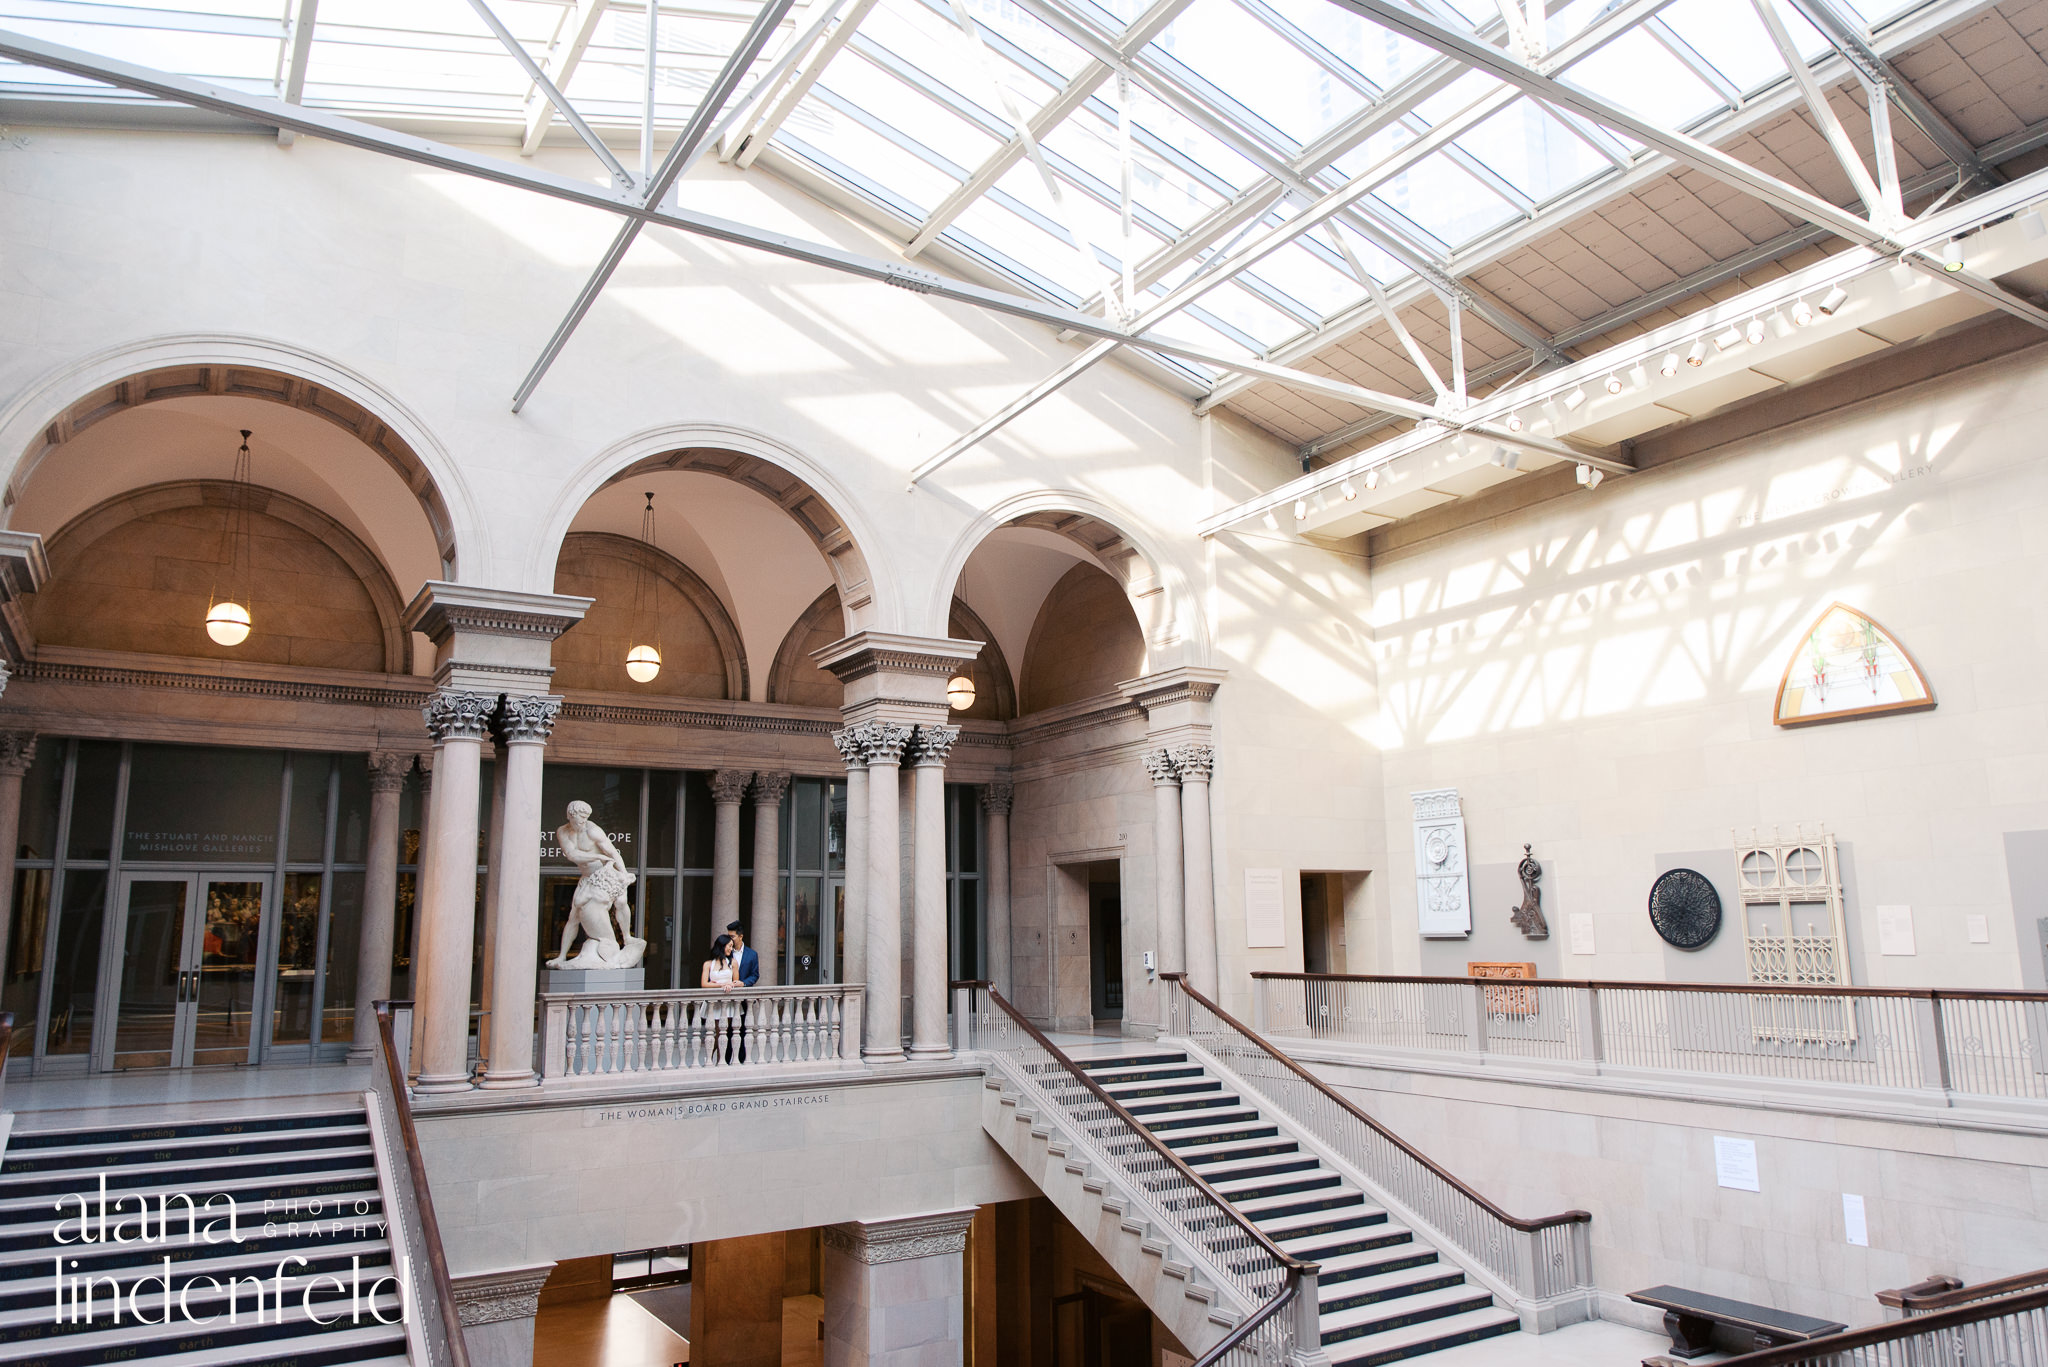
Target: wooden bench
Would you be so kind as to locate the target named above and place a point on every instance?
(1690, 1317)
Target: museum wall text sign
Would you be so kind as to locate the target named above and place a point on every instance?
(739, 1105)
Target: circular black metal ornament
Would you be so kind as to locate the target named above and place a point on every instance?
(1684, 908)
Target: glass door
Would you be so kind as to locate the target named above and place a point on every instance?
(224, 963)
(155, 980)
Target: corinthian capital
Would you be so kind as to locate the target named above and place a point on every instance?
(17, 752)
(1159, 764)
(934, 743)
(388, 769)
(848, 742)
(528, 719)
(730, 785)
(769, 788)
(997, 797)
(1195, 762)
(452, 714)
(883, 741)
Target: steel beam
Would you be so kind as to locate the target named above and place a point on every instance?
(554, 96)
(304, 15)
(563, 58)
(785, 99)
(1823, 113)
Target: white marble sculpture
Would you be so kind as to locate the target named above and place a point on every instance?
(599, 893)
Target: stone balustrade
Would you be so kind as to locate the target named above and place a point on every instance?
(587, 1036)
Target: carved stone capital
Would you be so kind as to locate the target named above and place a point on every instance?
(882, 741)
(769, 788)
(388, 769)
(1195, 762)
(848, 741)
(933, 744)
(1159, 764)
(896, 1241)
(489, 1297)
(997, 797)
(730, 785)
(5, 674)
(528, 718)
(17, 752)
(454, 714)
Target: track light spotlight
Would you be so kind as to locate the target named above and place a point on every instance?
(1272, 522)
(1300, 509)
(1755, 331)
(1728, 337)
(1639, 376)
(1952, 255)
(1802, 313)
(1498, 455)
(1512, 460)
(1593, 479)
(1350, 491)
(1669, 365)
(1697, 357)
(1575, 398)
(1614, 384)
(1780, 324)
(1372, 478)
(1514, 422)
(1583, 471)
(1833, 300)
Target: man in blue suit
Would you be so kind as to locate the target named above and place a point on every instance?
(748, 966)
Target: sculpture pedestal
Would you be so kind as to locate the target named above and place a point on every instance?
(595, 980)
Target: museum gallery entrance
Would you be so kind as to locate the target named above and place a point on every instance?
(186, 990)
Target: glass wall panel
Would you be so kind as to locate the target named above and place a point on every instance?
(807, 822)
(352, 821)
(298, 945)
(401, 931)
(663, 788)
(23, 986)
(201, 805)
(658, 896)
(803, 927)
(228, 966)
(694, 930)
(698, 820)
(307, 843)
(74, 977)
(344, 935)
(92, 800)
(41, 788)
(835, 832)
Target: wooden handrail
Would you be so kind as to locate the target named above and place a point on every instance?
(1945, 1293)
(1748, 989)
(1811, 1351)
(430, 1227)
(1174, 1160)
(1255, 1321)
(1526, 1226)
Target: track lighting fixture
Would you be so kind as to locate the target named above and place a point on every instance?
(1514, 422)
(1593, 479)
(1697, 357)
(1755, 331)
(2034, 225)
(1350, 491)
(1583, 471)
(1614, 384)
(1372, 478)
(1575, 398)
(1639, 376)
(1833, 300)
(1802, 313)
(1498, 455)
(1300, 509)
(1728, 337)
(1669, 365)
(1952, 255)
(1511, 460)
(1780, 324)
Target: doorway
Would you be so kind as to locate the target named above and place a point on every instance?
(1333, 931)
(1106, 940)
(185, 990)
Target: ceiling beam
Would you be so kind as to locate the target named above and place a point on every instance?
(563, 58)
(555, 97)
(304, 14)
(779, 101)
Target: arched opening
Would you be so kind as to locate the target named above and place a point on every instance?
(797, 679)
(644, 594)
(1085, 642)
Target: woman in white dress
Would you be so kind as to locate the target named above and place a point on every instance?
(722, 973)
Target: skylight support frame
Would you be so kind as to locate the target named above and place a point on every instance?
(620, 176)
(1881, 211)
(564, 56)
(776, 100)
(305, 14)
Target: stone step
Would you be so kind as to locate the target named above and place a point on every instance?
(1403, 1312)
(1280, 1207)
(115, 1135)
(31, 1301)
(155, 1174)
(1417, 1339)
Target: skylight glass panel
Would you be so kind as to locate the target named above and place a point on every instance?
(1195, 145)
(1533, 151)
(1460, 95)
(1303, 276)
(1189, 326)
(1236, 310)
(935, 52)
(1383, 57)
(1100, 226)
(1158, 184)
(1010, 23)
(847, 149)
(1639, 73)
(924, 120)
(242, 56)
(1044, 259)
(1445, 200)
(1735, 42)
(1263, 72)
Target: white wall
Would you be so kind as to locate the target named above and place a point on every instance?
(1596, 674)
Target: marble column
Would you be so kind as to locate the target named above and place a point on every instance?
(728, 790)
(895, 1290)
(854, 933)
(765, 919)
(524, 723)
(1198, 887)
(420, 874)
(17, 752)
(929, 1037)
(494, 879)
(380, 899)
(995, 800)
(1167, 854)
(883, 743)
(457, 720)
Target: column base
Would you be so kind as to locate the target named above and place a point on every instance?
(881, 1056)
(361, 1053)
(496, 1082)
(429, 1083)
(933, 1051)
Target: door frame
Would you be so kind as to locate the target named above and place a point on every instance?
(114, 953)
(114, 948)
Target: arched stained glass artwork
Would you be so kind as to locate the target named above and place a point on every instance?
(1848, 666)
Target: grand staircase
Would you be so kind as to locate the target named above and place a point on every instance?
(304, 1187)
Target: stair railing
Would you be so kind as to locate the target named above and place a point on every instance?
(1946, 1293)
(1539, 1259)
(6, 1045)
(1260, 1272)
(2006, 1330)
(413, 1229)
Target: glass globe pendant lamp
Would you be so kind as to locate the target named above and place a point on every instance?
(960, 692)
(228, 620)
(643, 662)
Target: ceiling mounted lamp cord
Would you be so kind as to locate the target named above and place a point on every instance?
(643, 662)
(228, 620)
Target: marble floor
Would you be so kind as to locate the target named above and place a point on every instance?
(62, 1103)
(1593, 1343)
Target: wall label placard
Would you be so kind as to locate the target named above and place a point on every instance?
(1895, 930)
(1265, 904)
(1443, 891)
(1855, 1221)
(1735, 1164)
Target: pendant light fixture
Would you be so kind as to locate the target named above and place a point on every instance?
(643, 662)
(228, 620)
(960, 692)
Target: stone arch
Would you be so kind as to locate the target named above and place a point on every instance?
(802, 488)
(1161, 592)
(698, 595)
(795, 679)
(108, 516)
(1084, 642)
(50, 413)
